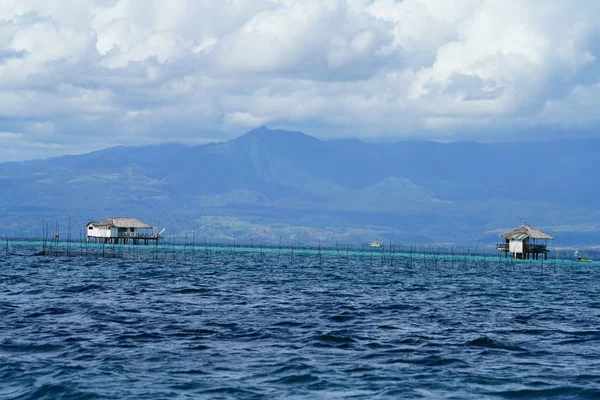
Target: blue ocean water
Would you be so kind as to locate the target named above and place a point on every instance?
(257, 325)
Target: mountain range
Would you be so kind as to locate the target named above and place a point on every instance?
(272, 184)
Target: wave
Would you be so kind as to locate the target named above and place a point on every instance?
(563, 392)
(57, 391)
(429, 361)
(193, 291)
(342, 318)
(297, 379)
(490, 343)
(82, 288)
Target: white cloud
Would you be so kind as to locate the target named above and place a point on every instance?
(127, 71)
(243, 119)
(10, 135)
(579, 108)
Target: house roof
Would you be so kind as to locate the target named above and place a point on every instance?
(122, 223)
(524, 232)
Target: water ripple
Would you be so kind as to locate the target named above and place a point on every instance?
(236, 325)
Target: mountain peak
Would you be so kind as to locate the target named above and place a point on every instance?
(265, 133)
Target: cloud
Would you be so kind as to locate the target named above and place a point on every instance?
(90, 73)
(579, 108)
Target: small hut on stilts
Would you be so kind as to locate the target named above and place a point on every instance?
(525, 242)
(122, 230)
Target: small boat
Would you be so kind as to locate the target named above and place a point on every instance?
(377, 243)
(579, 258)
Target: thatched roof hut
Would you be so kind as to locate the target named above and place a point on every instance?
(122, 223)
(525, 232)
(121, 230)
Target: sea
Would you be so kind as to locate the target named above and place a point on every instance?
(291, 323)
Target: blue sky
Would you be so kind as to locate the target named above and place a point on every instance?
(79, 75)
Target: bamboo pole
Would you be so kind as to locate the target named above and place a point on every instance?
(347, 253)
(69, 238)
(194, 246)
(185, 247)
(320, 256)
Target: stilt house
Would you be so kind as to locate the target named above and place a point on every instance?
(525, 242)
(121, 230)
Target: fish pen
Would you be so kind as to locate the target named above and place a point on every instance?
(427, 259)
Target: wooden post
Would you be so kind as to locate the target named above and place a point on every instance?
(320, 257)
(193, 245)
(69, 239)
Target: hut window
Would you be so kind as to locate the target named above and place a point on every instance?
(91, 228)
(131, 229)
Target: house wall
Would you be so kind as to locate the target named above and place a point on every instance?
(98, 231)
(516, 246)
(112, 232)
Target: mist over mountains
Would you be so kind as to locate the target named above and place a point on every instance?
(268, 184)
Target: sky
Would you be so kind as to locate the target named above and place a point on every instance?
(80, 75)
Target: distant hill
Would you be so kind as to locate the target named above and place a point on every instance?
(268, 184)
